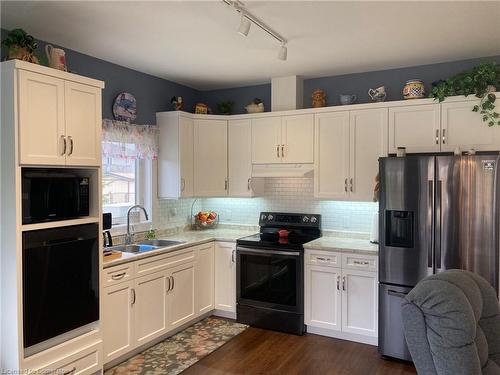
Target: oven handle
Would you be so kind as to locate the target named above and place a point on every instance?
(271, 252)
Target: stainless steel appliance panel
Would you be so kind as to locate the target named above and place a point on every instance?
(406, 219)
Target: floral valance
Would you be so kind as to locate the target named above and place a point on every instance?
(128, 141)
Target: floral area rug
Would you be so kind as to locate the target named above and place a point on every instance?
(182, 350)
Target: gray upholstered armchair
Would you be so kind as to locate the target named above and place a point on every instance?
(452, 325)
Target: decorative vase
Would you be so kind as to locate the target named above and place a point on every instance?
(22, 53)
(414, 89)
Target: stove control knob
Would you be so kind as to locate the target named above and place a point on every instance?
(270, 217)
(314, 219)
(263, 217)
(305, 219)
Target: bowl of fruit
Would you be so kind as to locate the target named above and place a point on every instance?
(206, 219)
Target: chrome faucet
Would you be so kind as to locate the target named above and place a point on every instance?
(129, 237)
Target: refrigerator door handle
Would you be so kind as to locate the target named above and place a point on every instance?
(430, 212)
(438, 225)
(396, 293)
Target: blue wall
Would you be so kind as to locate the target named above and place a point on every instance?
(153, 94)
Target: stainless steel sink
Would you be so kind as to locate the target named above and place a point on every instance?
(134, 248)
(160, 243)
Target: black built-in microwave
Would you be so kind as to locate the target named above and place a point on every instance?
(54, 194)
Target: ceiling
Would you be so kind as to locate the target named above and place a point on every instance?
(195, 42)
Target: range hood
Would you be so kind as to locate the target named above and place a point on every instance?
(282, 170)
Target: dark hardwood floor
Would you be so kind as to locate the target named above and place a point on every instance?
(258, 351)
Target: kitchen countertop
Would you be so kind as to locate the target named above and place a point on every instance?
(193, 238)
(351, 245)
(189, 238)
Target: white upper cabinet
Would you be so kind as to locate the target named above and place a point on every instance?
(297, 139)
(82, 105)
(415, 127)
(175, 157)
(210, 158)
(266, 140)
(332, 155)
(368, 142)
(283, 139)
(240, 158)
(462, 128)
(59, 121)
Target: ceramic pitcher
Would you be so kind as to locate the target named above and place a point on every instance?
(56, 57)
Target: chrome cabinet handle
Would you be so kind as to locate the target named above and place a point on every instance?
(444, 136)
(362, 263)
(173, 283)
(345, 185)
(226, 184)
(282, 151)
(63, 139)
(169, 284)
(249, 184)
(278, 151)
(343, 282)
(118, 276)
(437, 136)
(183, 184)
(351, 185)
(232, 255)
(70, 145)
(73, 370)
(319, 258)
(338, 282)
(133, 296)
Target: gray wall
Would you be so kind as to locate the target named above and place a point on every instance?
(153, 94)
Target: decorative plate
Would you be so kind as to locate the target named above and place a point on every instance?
(125, 107)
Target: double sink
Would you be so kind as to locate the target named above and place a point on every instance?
(144, 246)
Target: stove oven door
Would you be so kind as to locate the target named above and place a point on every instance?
(269, 278)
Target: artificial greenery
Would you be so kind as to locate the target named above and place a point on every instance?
(474, 82)
(20, 38)
(225, 107)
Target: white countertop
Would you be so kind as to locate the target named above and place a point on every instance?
(193, 238)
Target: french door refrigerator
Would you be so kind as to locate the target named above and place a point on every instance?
(436, 212)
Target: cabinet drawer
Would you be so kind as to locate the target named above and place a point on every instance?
(86, 361)
(118, 274)
(323, 258)
(360, 262)
(161, 262)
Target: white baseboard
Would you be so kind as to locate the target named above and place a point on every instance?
(224, 314)
(343, 335)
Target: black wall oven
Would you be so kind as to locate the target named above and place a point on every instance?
(60, 281)
(53, 194)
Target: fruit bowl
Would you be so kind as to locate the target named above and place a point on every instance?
(206, 219)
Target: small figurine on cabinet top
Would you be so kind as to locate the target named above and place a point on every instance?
(255, 106)
(318, 99)
(201, 109)
(177, 103)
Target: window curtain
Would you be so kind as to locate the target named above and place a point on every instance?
(128, 141)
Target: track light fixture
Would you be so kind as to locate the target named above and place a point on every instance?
(247, 19)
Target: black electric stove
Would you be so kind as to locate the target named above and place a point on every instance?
(270, 271)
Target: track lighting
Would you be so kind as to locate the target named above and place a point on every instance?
(282, 54)
(244, 26)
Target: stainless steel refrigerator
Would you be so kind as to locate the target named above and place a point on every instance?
(436, 213)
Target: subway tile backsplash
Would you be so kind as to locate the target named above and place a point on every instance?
(280, 194)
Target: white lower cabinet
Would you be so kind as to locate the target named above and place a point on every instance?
(181, 295)
(342, 301)
(225, 276)
(204, 275)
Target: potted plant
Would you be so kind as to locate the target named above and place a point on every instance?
(480, 81)
(225, 107)
(21, 46)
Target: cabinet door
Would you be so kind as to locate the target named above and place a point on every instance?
(117, 320)
(360, 302)
(462, 128)
(83, 119)
(332, 155)
(322, 297)
(266, 140)
(204, 274)
(150, 307)
(298, 139)
(225, 276)
(368, 142)
(41, 119)
(210, 158)
(415, 127)
(181, 297)
(240, 158)
(186, 154)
